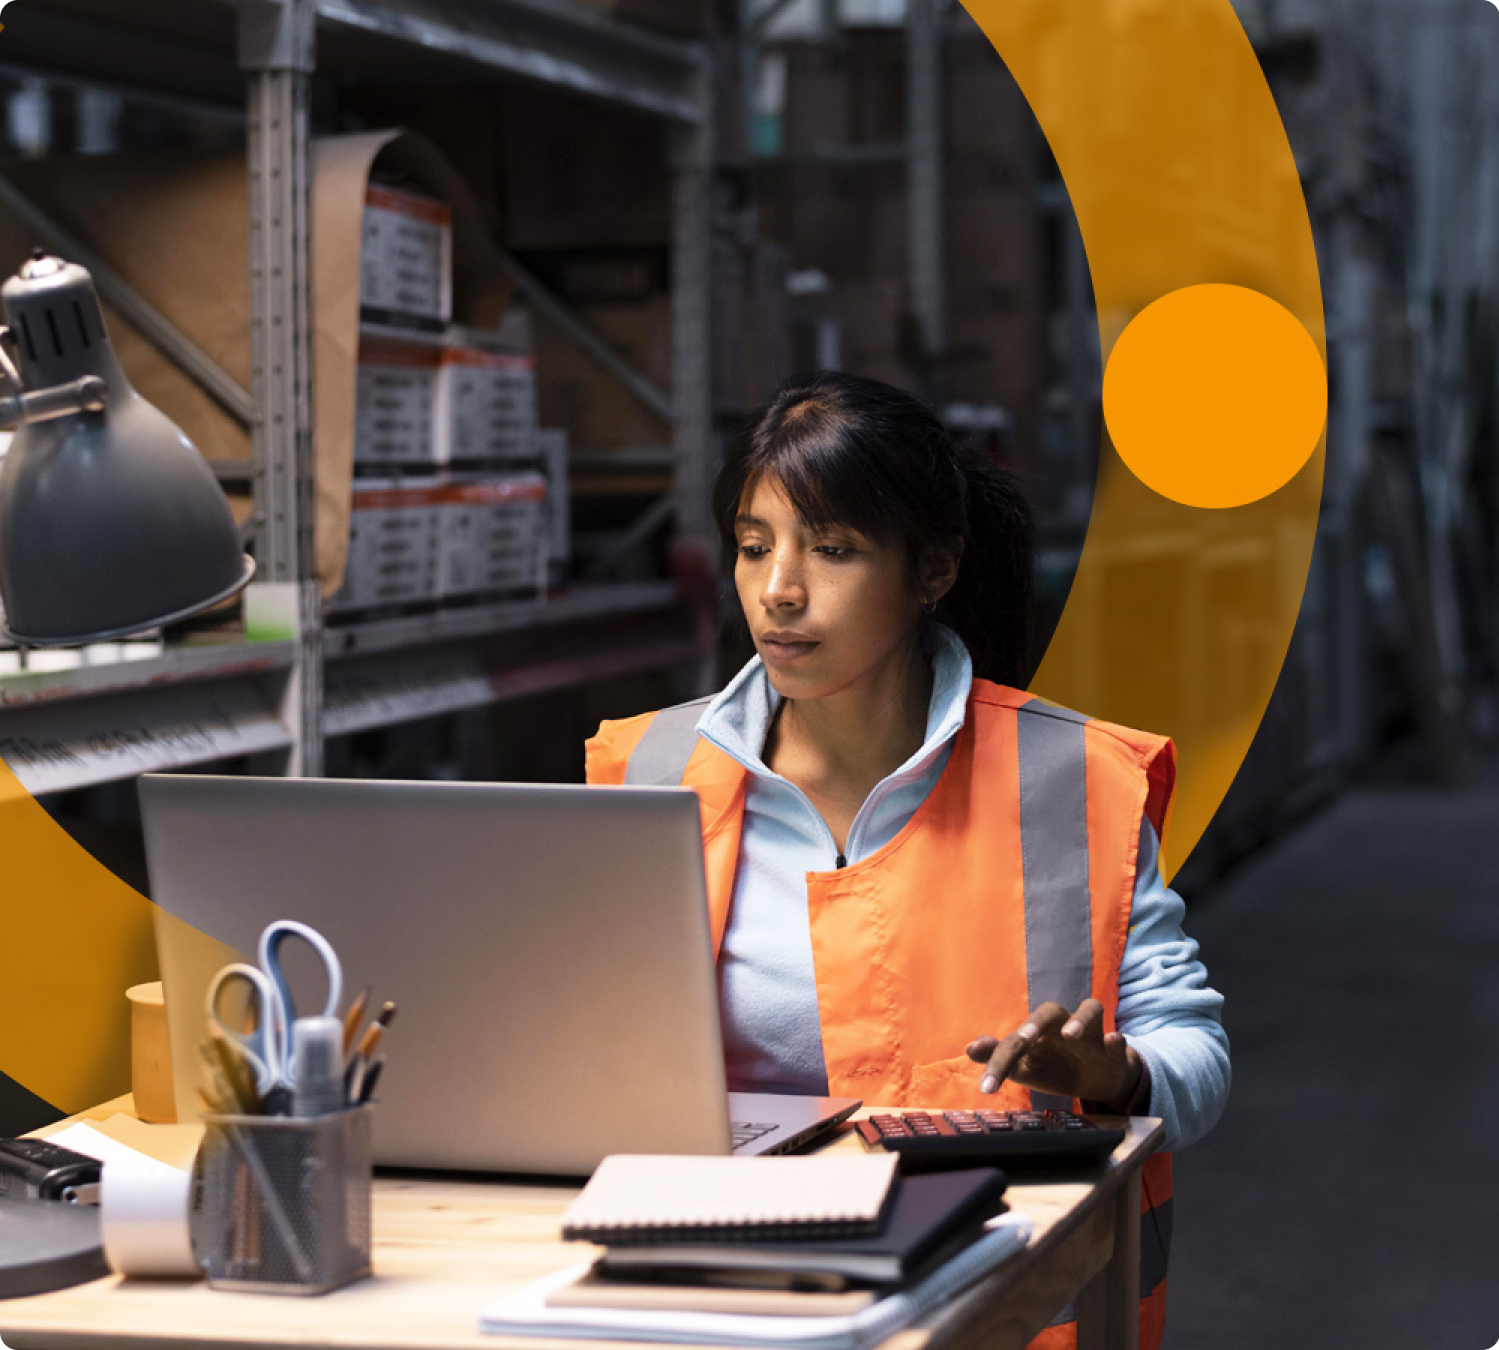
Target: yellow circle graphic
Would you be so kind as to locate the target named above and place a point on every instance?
(1177, 167)
(1215, 396)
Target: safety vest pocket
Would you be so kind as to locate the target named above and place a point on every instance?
(953, 1085)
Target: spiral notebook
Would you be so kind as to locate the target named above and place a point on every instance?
(633, 1198)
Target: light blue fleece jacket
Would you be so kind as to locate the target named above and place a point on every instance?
(767, 985)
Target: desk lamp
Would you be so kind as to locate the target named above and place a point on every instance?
(110, 520)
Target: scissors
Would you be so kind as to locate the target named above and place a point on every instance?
(266, 1046)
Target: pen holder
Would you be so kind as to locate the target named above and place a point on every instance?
(286, 1201)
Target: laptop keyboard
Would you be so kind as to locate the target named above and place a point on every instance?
(745, 1133)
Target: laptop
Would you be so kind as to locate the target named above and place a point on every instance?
(547, 946)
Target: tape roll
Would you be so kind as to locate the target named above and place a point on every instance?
(146, 1209)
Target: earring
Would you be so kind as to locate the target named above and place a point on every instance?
(928, 606)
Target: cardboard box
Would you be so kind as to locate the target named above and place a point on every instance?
(992, 235)
(877, 87)
(394, 535)
(414, 544)
(485, 407)
(514, 563)
(493, 538)
(395, 404)
(847, 220)
(511, 334)
(995, 357)
(595, 410)
(984, 110)
(574, 179)
(553, 443)
(732, 347)
(406, 261)
(817, 95)
(871, 315)
(770, 313)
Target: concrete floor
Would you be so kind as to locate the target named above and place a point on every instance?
(1350, 1195)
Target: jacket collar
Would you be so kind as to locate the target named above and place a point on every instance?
(738, 720)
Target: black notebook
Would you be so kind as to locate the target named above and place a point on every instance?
(927, 1215)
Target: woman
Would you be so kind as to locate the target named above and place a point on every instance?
(927, 889)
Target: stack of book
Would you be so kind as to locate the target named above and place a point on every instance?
(828, 1252)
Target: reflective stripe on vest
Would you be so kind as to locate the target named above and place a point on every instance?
(1054, 862)
(660, 757)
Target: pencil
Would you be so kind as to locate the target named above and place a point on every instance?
(371, 1038)
(352, 1018)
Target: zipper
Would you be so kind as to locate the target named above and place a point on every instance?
(840, 860)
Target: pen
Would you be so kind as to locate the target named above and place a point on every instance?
(367, 1083)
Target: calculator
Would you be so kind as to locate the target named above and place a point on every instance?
(37, 1169)
(1015, 1140)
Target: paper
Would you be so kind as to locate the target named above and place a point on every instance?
(175, 1145)
(526, 1313)
(341, 170)
(102, 1142)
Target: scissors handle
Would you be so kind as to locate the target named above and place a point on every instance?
(270, 961)
(261, 1047)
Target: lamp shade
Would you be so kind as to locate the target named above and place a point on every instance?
(110, 521)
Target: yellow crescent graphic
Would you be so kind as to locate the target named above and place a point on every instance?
(1210, 320)
(1215, 390)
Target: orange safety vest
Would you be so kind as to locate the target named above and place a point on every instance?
(1010, 885)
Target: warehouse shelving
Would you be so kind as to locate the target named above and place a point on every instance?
(585, 603)
(223, 57)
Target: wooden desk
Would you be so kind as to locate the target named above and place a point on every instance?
(446, 1248)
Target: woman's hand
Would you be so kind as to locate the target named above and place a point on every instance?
(1063, 1053)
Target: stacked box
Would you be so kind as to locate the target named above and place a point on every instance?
(493, 538)
(461, 542)
(515, 552)
(394, 534)
(486, 406)
(553, 443)
(406, 263)
(395, 405)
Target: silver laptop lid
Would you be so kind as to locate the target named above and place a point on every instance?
(548, 947)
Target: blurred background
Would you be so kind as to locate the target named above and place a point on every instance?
(678, 203)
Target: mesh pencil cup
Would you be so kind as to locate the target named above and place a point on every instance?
(286, 1201)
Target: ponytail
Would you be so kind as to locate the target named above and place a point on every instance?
(990, 604)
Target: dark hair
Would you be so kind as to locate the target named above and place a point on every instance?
(859, 453)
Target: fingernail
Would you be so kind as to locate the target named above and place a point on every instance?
(1029, 1032)
(1071, 1029)
(990, 1084)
